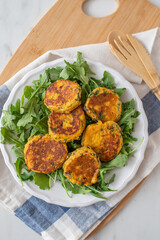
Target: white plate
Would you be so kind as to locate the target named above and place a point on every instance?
(57, 194)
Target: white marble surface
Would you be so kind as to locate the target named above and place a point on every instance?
(140, 217)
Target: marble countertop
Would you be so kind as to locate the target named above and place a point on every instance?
(140, 217)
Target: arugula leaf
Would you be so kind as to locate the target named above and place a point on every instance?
(84, 64)
(18, 105)
(54, 72)
(27, 177)
(98, 195)
(67, 73)
(12, 109)
(53, 176)
(7, 120)
(78, 70)
(102, 184)
(18, 151)
(62, 179)
(19, 166)
(130, 151)
(27, 117)
(84, 94)
(42, 180)
(127, 122)
(118, 162)
(42, 81)
(76, 189)
(21, 104)
(107, 80)
(128, 138)
(94, 83)
(9, 137)
(21, 136)
(28, 91)
(129, 116)
(119, 91)
(43, 124)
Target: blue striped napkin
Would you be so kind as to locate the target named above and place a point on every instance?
(60, 223)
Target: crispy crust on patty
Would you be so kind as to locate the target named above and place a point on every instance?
(44, 155)
(63, 96)
(66, 127)
(103, 104)
(104, 138)
(82, 167)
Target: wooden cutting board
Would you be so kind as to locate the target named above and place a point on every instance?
(66, 25)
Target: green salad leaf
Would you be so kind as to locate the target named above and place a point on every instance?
(42, 180)
(128, 119)
(129, 116)
(22, 172)
(118, 162)
(18, 150)
(78, 70)
(8, 120)
(19, 166)
(8, 136)
(27, 176)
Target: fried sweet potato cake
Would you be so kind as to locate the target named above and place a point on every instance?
(66, 127)
(44, 154)
(63, 96)
(104, 138)
(103, 104)
(82, 167)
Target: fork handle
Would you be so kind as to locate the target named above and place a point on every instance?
(150, 82)
(156, 90)
(153, 82)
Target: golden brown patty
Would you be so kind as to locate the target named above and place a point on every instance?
(82, 167)
(104, 138)
(44, 155)
(103, 104)
(63, 96)
(66, 127)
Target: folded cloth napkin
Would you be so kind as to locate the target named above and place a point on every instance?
(55, 222)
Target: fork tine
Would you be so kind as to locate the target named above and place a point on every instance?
(122, 49)
(129, 63)
(127, 46)
(118, 54)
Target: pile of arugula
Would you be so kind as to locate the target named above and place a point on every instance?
(29, 116)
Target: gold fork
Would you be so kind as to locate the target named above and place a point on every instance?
(132, 54)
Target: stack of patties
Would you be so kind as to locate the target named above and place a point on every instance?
(104, 137)
(67, 119)
(66, 123)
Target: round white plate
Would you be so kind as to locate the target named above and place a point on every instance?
(57, 194)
